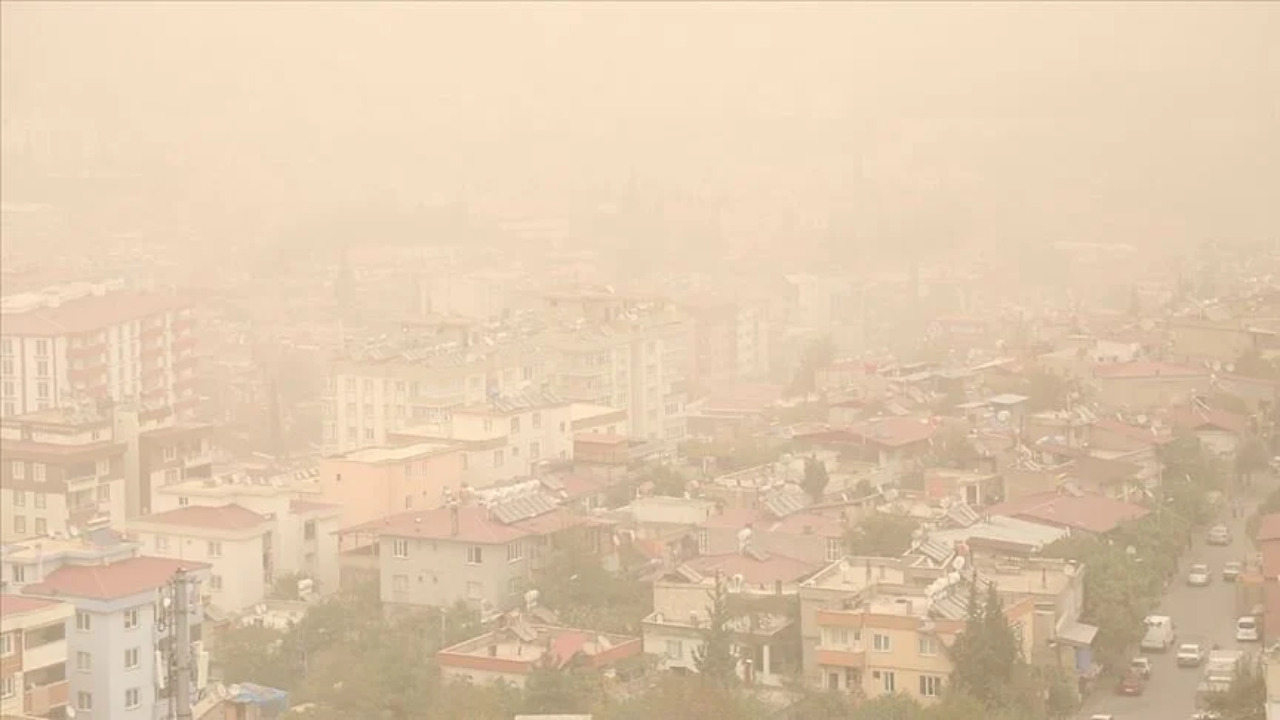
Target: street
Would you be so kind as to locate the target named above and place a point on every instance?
(1201, 614)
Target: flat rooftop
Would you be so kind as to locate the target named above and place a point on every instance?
(855, 573)
(587, 411)
(397, 453)
(551, 643)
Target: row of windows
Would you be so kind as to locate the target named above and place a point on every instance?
(20, 525)
(18, 469)
(132, 699)
(213, 548)
(132, 660)
(6, 347)
(475, 553)
(927, 645)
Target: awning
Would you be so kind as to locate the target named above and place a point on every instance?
(1077, 633)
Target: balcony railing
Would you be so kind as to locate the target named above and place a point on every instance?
(41, 699)
(81, 482)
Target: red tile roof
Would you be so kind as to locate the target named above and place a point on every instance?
(1269, 528)
(222, 517)
(1190, 418)
(1147, 370)
(474, 525)
(1090, 512)
(755, 572)
(11, 605)
(895, 431)
(109, 582)
(1133, 432)
(90, 313)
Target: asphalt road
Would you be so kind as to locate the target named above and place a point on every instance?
(1200, 614)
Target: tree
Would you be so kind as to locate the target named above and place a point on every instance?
(815, 478)
(714, 658)
(819, 354)
(667, 481)
(250, 653)
(576, 586)
(1244, 699)
(1045, 391)
(882, 535)
(1252, 457)
(953, 448)
(890, 707)
(551, 690)
(987, 655)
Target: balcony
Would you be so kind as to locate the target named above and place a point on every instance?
(196, 459)
(41, 699)
(81, 482)
(836, 657)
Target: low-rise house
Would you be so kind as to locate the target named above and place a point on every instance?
(1077, 511)
(28, 562)
(234, 541)
(116, 639)
(1219, 432)
(764, 588)
(482, 554)
(517, 648)
(786, 530)
(33, 656)
(1143, 385)
(898, 443)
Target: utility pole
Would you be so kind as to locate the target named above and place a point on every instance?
(182, 644)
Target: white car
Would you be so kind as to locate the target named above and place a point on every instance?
(1247, 629)
(1190, 655)
(1198, 575)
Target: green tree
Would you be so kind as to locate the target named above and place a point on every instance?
(987, 655)
(686, 698)
(953, 448)
(583, 593)
(667, 481)
(1045, 391)
(1252, 457)
(882, 535)
(714, 658)
(1245, 699)
(815, 478)
(250, 653)
(819, 354)
(890, 707)
(551, 690)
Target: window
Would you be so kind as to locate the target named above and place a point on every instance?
(930, 685)
(535, 451)
(41, 500)
(84, 622)
(833, 549)
(215, 583)
(537, 421)
(515, 551)
(6, 347)
(84, 700)
(104, 493)
(890, 681)
(215, 549)
(515, 425)
(42, 390)
(497, 457)
(19, 470)
(104, 467)
(42, 368)
(475, 555)
(368, 433)
(7, 687)
(131, 619)
(19, 498)
(37, 472)
(400, 583)
(704, 543)
(928, 645)
(400, 548)
(19, 573)
(132, 698)
(131, 659)
(309, 530)
(84, 662)
(513, 586)
(42, 348)
(19, 525)
(6, 645)
(184, 501)
(836, 637)
(408, 502)
(170, 476)
(881, 643)
(675, 649)
(170, 453)
(42, 527)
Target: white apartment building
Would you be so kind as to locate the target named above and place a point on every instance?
(304, 526)
(98, 341)
(114, 643)
(233, 541)
(388, 389)
(60, 471)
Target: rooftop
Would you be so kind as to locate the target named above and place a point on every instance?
(1083, 511)
(398, 453)
(110, 582)
(475, 524)
(763, 570)
(530, 644)
(856, 573)
(1131, 370)
(230, 517)
(86, 314)
(14, 605)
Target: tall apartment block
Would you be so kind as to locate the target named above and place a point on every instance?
(95, 340)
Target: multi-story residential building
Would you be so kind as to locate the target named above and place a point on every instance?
(233, 541)
(732, 343)
(61, 469)
(375, 482)
(510, 654)
(483, 555)
(167, 452)
(378, 392)
(33, 656)
(28, 562)
(115, 641)
(640, 362)
(506, 438)
(304, 538)
(99, 341)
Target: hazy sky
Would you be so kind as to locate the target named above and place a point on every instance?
(1100, 113)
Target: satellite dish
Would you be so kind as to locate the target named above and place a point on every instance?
(957, 563)
(70, 711)
(234, 690)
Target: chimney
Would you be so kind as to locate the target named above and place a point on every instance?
(453, 520)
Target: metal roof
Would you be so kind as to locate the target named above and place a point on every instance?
(784, 503)
(962, 515)
(522, 508)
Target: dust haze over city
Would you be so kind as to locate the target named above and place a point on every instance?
(430, 361)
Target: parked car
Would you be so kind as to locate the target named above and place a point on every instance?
(1142, 666)
(1247, 629)
(1219, 535)
(1198, 575)
(1131, 684)
(1232, 570)
(1190, 655)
